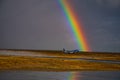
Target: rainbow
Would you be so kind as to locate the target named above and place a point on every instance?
(75, 25)
(72, 76)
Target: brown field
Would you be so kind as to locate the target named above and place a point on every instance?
(59, 63)
(88, 55)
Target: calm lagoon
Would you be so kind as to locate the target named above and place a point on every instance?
(38, 75)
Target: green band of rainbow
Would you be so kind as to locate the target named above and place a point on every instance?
(75, 25)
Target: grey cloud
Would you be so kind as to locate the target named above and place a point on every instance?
(101, 24)
(33, 24)
(40, 24)
(109, 3)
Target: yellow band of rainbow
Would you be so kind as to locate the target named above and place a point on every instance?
(75, 25)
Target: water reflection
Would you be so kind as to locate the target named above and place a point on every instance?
(36, 75)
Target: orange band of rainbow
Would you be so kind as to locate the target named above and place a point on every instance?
(75, 25)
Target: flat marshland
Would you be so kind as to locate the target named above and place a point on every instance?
(59, 61)
(88, 55)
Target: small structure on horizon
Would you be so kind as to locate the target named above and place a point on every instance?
(70, 51)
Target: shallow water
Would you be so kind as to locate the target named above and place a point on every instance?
(37, 75)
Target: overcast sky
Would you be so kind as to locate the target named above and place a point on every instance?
(40, 24)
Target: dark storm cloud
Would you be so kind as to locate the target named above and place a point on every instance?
(109, 3)
(32, 24)
(101, 20)
(39, 24)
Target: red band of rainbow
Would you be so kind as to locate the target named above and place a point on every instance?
(75, 25)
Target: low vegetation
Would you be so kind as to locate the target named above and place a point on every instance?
(51, 64)
(89, 55)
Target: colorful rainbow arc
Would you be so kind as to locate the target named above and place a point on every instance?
(75, 25)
